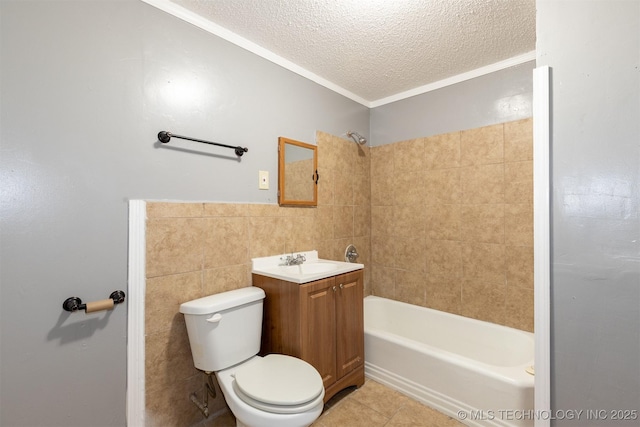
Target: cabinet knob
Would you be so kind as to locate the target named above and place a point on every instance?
(334, 288)
(341, 286)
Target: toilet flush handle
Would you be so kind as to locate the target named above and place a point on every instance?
(215, 318)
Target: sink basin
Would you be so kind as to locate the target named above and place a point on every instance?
(312, 269)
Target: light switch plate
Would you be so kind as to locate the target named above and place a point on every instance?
(263, 180)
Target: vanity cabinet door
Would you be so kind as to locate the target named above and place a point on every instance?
(349, 322)
(318, 320)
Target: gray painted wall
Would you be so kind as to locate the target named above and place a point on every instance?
(594, 50)
(86, 86)
(498, 97)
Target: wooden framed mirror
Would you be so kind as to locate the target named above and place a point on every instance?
(297, 173)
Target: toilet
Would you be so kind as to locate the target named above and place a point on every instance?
(275, 390)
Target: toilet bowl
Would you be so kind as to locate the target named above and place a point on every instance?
(295, 399)
(271, 391)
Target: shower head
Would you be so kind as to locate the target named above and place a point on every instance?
(357, 137)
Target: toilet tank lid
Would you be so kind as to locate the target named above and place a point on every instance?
(222, 301)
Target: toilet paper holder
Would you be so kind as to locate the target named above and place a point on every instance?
(73, 304)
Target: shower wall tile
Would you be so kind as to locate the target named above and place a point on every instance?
(383, 281)
(381, 220)
(444, 259)
(484, 300)
(518, 140)
(483, 184)
(518, 181)
(482, 145)
(443, 186)
(471, 205)
(409, 156)
(409, 254)
(518, 224)
(482, 223)
(412, 290)
(409, 187)
(408, 221)
(519, 260)
(519, 308)
(443, 221)
(442, 151)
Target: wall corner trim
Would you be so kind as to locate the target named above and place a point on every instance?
(542, 241)
(135, 319)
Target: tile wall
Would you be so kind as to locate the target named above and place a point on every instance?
(198, 249)
(452, 222)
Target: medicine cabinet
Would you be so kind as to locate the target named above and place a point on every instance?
(297, 173)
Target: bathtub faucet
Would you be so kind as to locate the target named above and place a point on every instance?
(290, 260)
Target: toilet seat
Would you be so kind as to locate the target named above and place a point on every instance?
(278, 383)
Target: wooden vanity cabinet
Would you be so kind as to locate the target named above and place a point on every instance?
(320, 322)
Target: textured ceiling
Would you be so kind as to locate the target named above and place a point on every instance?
(375, 49)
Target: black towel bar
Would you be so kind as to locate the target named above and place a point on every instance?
(165, 136)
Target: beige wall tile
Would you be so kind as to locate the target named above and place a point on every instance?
(383, 250)
(324, 223)
(442, 186)
(383, 279)
(326, 187)
(164, 294)
(226, 241)
(519, 308)
(267, 236)
(224, 279)
(361, 190)
(409, 156)
(518, 140)
(168, 406)
(519, 264)
(482, 184)
(382, 190)
(410, 287)
(518, 182)
(443, 221)
(381, 220)
(518, 225)
(327, 150)
(361, 221)
(410, 253)
(262, 210)
(173, 210)
(409, 188)
(343, 188)
(168, 359)
(482, 145)
(444, 259)
(342, 221)
(408, 221)
(484, 300)
(482, 223)
(444, 294)
(442, 151)
(483, 262)
(174, 245)
(226, 209)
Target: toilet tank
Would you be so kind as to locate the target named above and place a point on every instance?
(224, 329)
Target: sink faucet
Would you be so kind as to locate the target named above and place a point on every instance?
(290, 260)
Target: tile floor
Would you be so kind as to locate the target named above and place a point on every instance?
(372, 405)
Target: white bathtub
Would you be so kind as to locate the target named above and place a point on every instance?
(451, 363)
